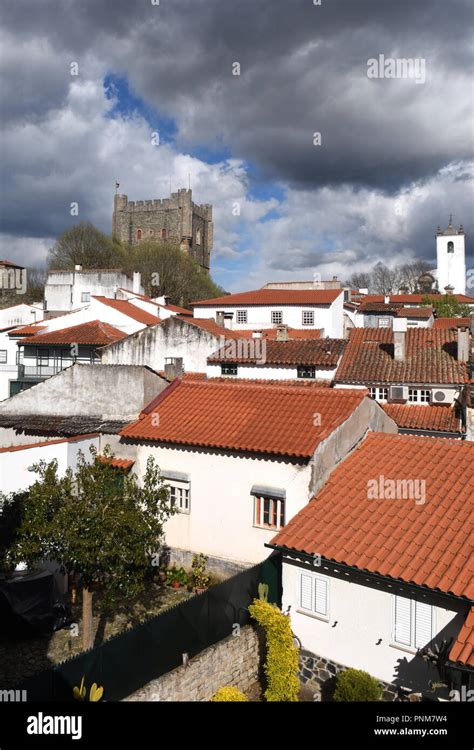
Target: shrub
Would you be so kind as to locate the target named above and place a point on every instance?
(225, 694)
(356, 685)
(281, 666)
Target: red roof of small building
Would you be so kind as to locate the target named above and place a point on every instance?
(131, 310)
(45, 443)
(118, 463)
(273, 297)
(430, 357)
(438, 418)
(414, 298)
(428, 544)
(29, 330)
(210, 325)
(462, 650)
(321, 353)
(272, 419)
(92, 333)
(452, 323)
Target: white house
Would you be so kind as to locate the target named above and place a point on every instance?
(71, 290)
(376, 568)
(244, 458)
(263, 308)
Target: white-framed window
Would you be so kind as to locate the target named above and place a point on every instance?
(241, 316)
(313, 594)
(276, 317)
(269, 512)
(180, 494)
(379, 393)
(419, 395)
(3, 356)
(413, 623)
(384, 322)
(229, 369)
(307, 317)
(306, 371)
(85, 296)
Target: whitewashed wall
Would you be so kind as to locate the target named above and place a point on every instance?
(268, 372)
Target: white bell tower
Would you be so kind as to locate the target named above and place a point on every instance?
(451, 259)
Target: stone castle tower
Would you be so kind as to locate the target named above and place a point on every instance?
(176, 219)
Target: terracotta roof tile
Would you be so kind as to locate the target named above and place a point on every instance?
(92, 333)
(322, 352)
(424, 417)
(118, 463)
(127, 308)
(430, 358)
(210, 325)
(29, 330)
(452, 322)
(462, 651)
(414, 299)
(428, 544)
(261, 418)
(273, 297)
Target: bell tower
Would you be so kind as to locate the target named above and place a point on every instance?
(451, 259)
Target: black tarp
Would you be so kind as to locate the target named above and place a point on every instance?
(31, 604)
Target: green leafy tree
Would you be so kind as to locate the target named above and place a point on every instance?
(446, 306)
(85, 245)
(99, 522)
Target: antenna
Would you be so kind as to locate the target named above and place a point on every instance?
(189, 180)
(450, 219)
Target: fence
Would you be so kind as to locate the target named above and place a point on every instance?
(130, 660)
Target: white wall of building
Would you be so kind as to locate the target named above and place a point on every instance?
(329, 317)
(70, 290)
(14, 464)
(372, 321)
(268, 372)
(220, 523)
(8, 369)
(20, 315)
(363, 614)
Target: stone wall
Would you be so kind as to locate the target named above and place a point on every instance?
(315, 671)
(218, 566)
(233, 661)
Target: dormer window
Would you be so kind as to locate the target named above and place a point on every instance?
(450, 247)
(139, 234)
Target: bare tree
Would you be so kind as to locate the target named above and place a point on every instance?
(85, 245)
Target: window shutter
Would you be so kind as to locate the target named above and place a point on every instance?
(423, 624)
(403, 620)
(320, 596)
(306, 584)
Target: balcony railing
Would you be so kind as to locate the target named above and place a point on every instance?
(38, 371)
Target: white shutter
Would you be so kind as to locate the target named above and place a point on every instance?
(423, 624)
(320, 596)
(403, 620)
(306, 585)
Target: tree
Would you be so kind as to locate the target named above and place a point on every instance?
(446, 306)
(84, 245)
(166, 269)
(98, 522)
(359, 281)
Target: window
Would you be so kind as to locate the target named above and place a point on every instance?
(450, 247)
(229, 369)
(413, 622)
(3, 356)
(313, 594)
(242, 316)
(139, 234)
(163, 234)
(380, 394)
(384, 322)
(277, 317)
(85, 296)
(43, 357)
(151, 232)
(269, 512)
(180, 490)
(419, 396)
(308, 317)
(306, 371)
(198, 237)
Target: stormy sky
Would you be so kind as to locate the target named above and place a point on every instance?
(394, 157)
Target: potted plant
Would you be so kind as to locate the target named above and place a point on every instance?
(177, 577)
(200, 578)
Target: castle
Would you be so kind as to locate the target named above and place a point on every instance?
(176, 219)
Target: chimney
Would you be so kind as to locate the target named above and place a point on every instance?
(137, 282)
(220, 320)
(399, 334)
(463, 345)
(386, 299)
(449, 289)
(282, 333)
(78, 268)
(173, 367)
(257, 334)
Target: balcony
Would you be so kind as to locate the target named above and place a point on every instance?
(35, 372)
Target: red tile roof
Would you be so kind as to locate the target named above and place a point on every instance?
(29, 330)
(273, 297)
(434, 418)
(321, 353)
(414, 298)
(462, 650)
(92, 333)
(127, 308)
(272, 419)
(452, 322)
(177, 309)
(210, 325)
(310, 334)
(396, 308)
(43, 443)
(118, 463)
(430, 358)
(414, 312)
(426, 544)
